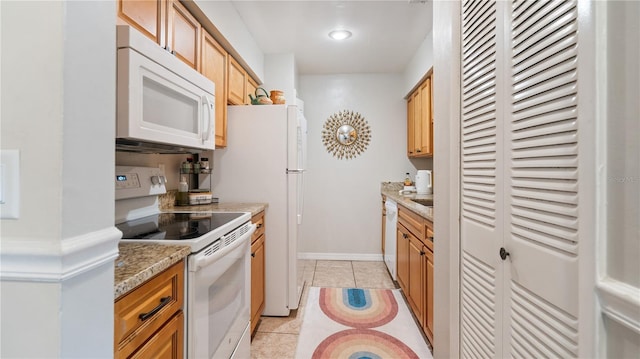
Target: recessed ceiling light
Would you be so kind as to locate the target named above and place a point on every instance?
(340, 34)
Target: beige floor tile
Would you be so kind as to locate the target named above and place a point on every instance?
(274, 345)
(285, 325)
(369, 265)
(282, 325)
(372, 275)
(305, 294)
(333, 264)
(334, 277)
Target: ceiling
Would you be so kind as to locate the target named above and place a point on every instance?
(386, 34)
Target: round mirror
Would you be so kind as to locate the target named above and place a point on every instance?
(346, 135)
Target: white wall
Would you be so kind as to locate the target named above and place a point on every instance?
(280, 74)
(226, 19)
(58, 101)
(420, 63)
(342, 206)
(446, 128)
(618, 178)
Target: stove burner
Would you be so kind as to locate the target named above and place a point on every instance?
(175, 226)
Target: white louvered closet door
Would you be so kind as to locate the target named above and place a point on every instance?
(542, 181)
(482, 210)
(519, 179)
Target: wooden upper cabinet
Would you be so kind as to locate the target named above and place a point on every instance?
(213, 65)
(237, 78)
(426, 139)
(252, 85)
(147, 16)
(410, 127)
(420, 119)
(183, 34)
(417, 124)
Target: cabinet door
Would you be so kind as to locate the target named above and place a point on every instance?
(147, 16)
(428, 311)
(410, 120)
(257, 280)
(425, 146)
(251, 89)
(167, 343)
(417, 123)
(183, 34)
(384, 224)
(402, 258)
(213, 65)
(236, 77)
(416, 278)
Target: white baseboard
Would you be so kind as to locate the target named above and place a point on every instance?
(57, 260)
(341, 256)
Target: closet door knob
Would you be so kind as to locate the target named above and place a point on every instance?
(503, 253)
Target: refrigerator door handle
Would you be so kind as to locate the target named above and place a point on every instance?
(295, 171)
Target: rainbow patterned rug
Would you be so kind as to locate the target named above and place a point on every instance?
(354, 323)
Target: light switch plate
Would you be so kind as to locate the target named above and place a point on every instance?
(9, 184)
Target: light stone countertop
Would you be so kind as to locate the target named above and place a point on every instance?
(391, 190)
(254, 208)
(168, 200)
(139, 262)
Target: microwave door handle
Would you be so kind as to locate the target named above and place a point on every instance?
(209, 118)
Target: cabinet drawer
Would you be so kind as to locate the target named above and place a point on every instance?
(144, 310)
(413, 222)
(258, 220)
(166, 343)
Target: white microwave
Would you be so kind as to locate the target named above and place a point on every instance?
(163, 105)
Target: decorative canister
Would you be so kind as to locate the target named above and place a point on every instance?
(277, 97)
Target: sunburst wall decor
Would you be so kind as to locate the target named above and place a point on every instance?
(346, 134)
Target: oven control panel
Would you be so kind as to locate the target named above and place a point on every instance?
(132, 182)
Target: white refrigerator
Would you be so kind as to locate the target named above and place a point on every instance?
(264, 161)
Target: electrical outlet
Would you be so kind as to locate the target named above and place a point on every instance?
(9, 184)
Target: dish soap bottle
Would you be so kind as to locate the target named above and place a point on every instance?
(183, 192)
(407, 180)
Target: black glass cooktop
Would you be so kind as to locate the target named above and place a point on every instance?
(175, 226)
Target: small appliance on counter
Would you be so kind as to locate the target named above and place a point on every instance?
(408, 185)
(424, 184)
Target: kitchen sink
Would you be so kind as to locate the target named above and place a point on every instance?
(424, 201)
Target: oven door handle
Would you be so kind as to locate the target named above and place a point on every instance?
(202, 260)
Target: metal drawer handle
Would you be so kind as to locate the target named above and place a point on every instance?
(163, 302)
(259, 225)
(253, 254)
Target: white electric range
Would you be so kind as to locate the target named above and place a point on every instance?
(218, 269)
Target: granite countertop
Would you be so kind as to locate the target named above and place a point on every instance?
(139, 262)
(391, 190)
(254, 208)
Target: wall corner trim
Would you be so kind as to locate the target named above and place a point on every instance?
(620, 302)
(47, 261)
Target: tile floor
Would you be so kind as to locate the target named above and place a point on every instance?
(276, 337)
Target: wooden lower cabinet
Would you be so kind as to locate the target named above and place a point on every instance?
(384, 224)
(428, 300)
(167, 343)
(148, 321)
(416, 278)
(257, 270)
(402, 258)
(415, 266)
